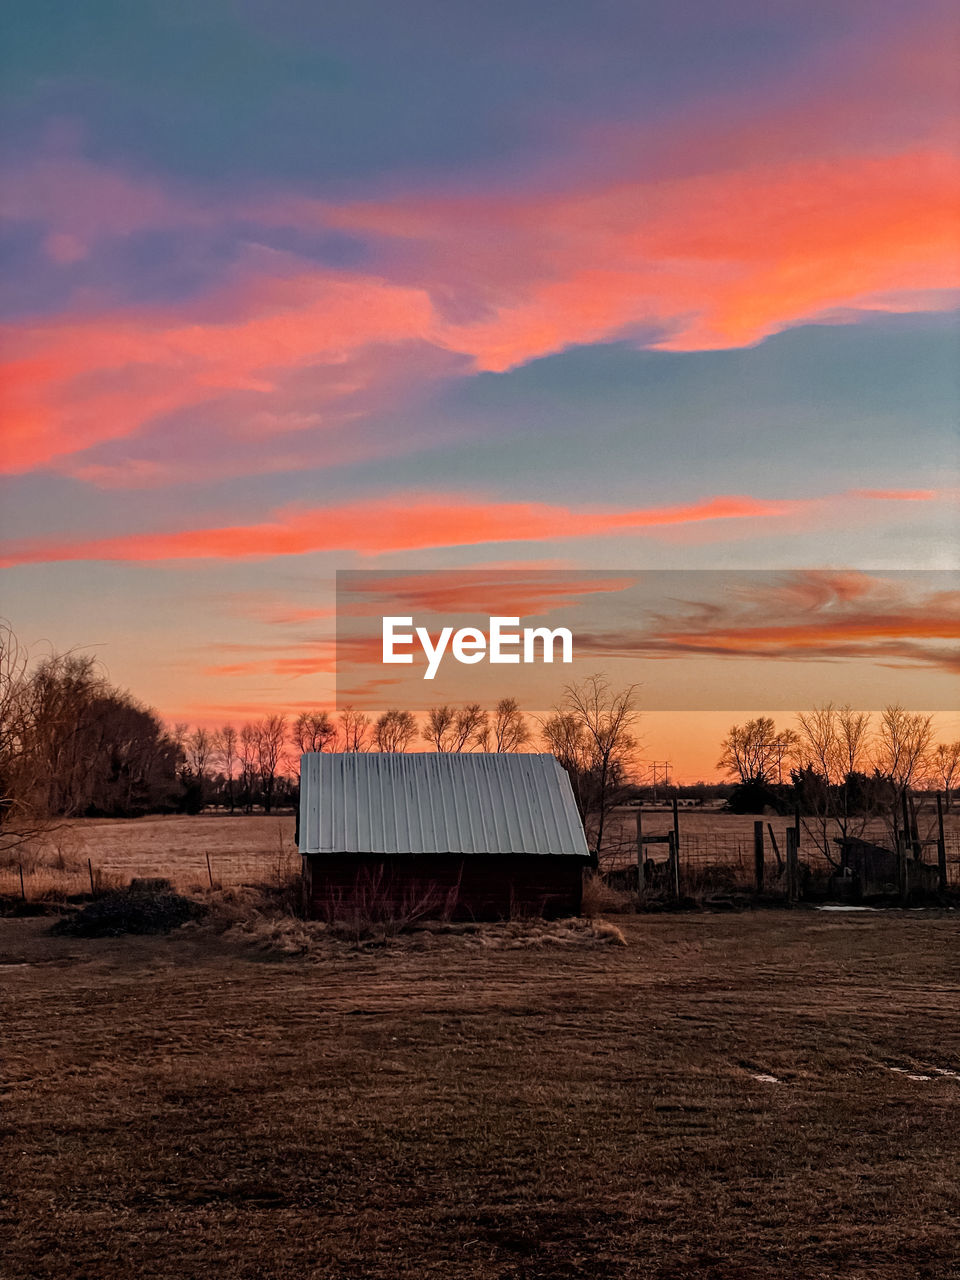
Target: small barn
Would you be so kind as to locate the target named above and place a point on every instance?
(472, 836)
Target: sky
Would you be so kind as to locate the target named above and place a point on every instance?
(295, 288)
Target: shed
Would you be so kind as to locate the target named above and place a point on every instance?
(475, 836)
(872, 871)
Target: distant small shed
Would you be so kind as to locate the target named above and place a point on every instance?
(479, 836)
(870, 870)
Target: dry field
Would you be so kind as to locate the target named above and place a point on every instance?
(244, 848)
(240, 848)
(766, 1095)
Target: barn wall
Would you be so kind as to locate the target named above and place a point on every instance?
(477, 887)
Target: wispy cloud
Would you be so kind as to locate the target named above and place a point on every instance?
(813, 616)
(406, 522)
(708, 260)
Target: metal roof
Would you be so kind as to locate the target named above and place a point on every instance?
(446, 802)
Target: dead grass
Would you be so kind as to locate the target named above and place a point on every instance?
(262, 919)
(600, 897)
(727, 1098)
(241, 849)
(260, 849)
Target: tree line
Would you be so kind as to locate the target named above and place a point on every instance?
(72, 745)
(842, 769)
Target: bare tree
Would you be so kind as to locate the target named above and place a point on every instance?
(354, 729)
(595, 723)
(247, 755)
(271, 733)
(72, 744)
(784, 750)
(225, 745)
(199, 749)
(457, 728)
(564, 736)
(440, 727)
(902, 756)
(312, 731)
(394, 730)
(902, 746)
(832, 746)
(23, 808)
(754, 752)
(510, 729)
(472, 728)
(945, 767)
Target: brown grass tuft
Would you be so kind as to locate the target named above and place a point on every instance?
(600, 897)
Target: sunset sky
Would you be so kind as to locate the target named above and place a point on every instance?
(294, 288)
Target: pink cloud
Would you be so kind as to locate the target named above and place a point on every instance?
(405, 523)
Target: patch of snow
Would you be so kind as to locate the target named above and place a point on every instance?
(764, 1078)
(911, 1075)
(946, 1071)
(843, 906)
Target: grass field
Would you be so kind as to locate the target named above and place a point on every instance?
(766, 1094)
(244, 848)
(241, 848)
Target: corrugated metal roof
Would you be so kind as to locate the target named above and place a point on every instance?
(380, 802)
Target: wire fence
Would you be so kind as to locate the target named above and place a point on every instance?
(728, 857)
(715, 851)
(187, 871)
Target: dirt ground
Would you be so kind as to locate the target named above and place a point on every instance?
(767, 1094)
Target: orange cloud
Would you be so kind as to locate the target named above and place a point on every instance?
(805, 616)
(405, 523)
(408, 522)
(717, 259)
(74, 382)
(528, 592)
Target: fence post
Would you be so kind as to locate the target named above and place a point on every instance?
(914, 829)
(674, 865)
(209, 870)
(941, 847)
(793, 870)
(902, 867)
(90, 869)
(904, 847)
(758, 855)
(676, 825)
(23, 892)
(640, 881)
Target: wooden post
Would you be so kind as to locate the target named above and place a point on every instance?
(914, 829)
(941, 847)
(674, 865)
(209, 870)
(758, 855)
(906, 829)
(90, 869)
(640, 878)
(676, 825)
(23, 892)
(793, 869)
(776, 847)
(902, 867)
